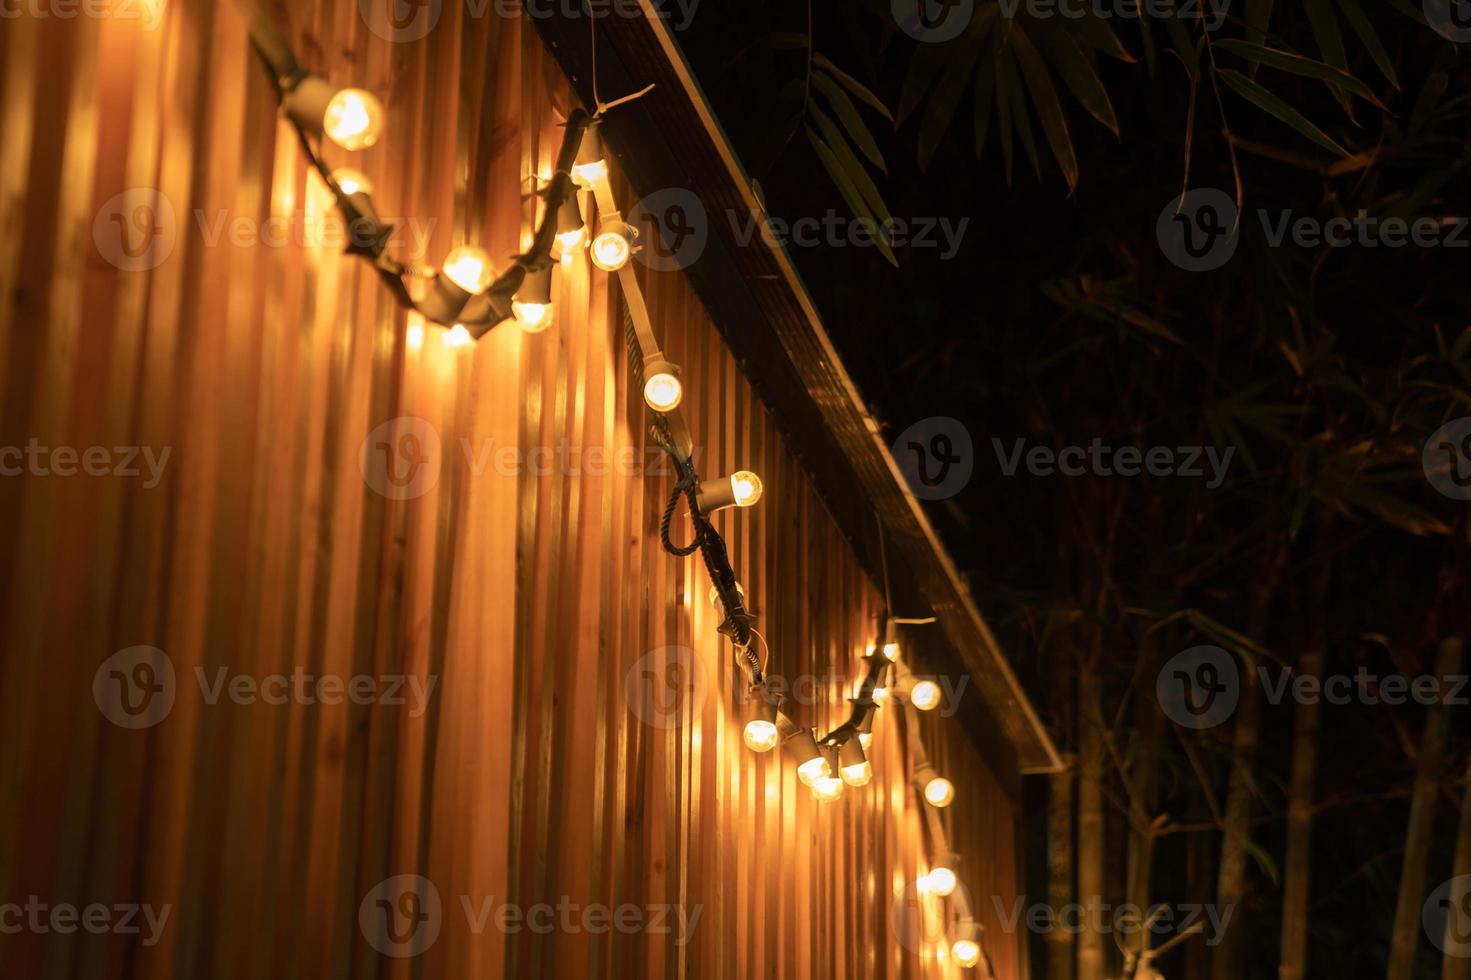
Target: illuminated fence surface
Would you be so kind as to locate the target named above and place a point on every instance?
(174, 287)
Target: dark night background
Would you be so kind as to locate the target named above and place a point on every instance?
(1061, 319)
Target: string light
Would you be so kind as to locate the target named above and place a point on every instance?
(939, 792)
(590, 167)
(811, 766)
(570, 227)
(457, 336)
(854, 766)
(741, 489)
(828, 788)
(941, 880)
(613, 245)
(761, 733)
(662, 388)
(532, 306)
(925, 695)
(965, 950)
(350, 117)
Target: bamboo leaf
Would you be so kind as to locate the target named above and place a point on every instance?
(788, 41)
(850, 164)
(846, 188)
(1258, 20)
(945, 99)
(1354, 14)
(1049, 108)
(1078, 74)
(1265, 100)
(1021, 121)
(985, 89)
(1299, 65)
(853, 85)
(924, 67)
(1096, 33)
(1330, 43)
(848, 114)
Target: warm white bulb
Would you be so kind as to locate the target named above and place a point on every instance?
(865, 739)
(587, 174)
(469, 268)
(760, 735)
(940, 881)
(354, 119)
(457, 336)
(746, 486)
(352, 181)
(891, 651)
(814, 769)
(966, 952)
(858, 774)
(663, 392)
(925, 695)
(880, 696)
(611, 249)
(532, 317)
(569, 240)
(939, 791)
(827, 789)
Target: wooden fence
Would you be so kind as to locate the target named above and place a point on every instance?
(171, 281)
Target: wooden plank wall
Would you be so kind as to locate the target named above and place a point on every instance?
(535, 596)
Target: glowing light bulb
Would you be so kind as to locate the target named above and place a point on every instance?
(352, 181)
(814, 769)
(859, 774)
(568, 241)
(865, 739)
(587, 174)
(613, 246)
(532, 317)
(354, 119)
(925, 695)
(891, 651)
(457, 336)
(760, 735)
(940, 881)
(663, 391)
(746, 486)
(880, 695)
(828, 789)
(414, 335)
(469, 268)
(967, 952)
(939, 791)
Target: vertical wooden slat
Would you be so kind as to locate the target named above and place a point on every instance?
(527, 598)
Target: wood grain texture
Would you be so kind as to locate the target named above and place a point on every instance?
(580, 744)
